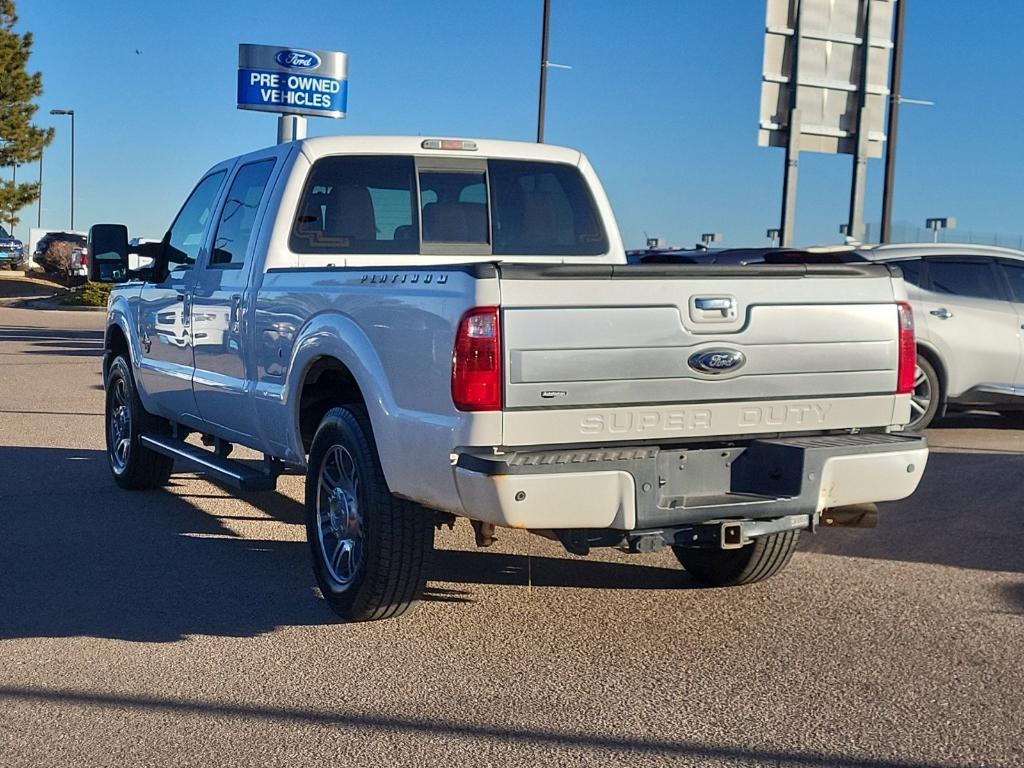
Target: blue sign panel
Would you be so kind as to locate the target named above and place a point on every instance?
(292, 81)
(292, 93)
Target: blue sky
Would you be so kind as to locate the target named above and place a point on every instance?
(663, 97)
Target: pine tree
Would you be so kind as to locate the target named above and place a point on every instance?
(20, 141)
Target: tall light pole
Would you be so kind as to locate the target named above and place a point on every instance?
(71, 113)
(894, 120)
(543, 71)
(545, 65)
(39, 209)
(14, 181)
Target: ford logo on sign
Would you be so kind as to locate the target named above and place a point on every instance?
(295, 59)
(717, 361)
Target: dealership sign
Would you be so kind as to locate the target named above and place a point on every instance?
(292, 81)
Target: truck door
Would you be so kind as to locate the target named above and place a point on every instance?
(165, 313)
(221, 329)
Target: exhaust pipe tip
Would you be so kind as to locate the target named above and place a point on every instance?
(853, 516)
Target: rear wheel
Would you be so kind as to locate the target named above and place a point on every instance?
(371, 550)
(765, 557)
(134, 467)
(924, 399)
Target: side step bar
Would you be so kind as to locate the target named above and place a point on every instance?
(225, 471)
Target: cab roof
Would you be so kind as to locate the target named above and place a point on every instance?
(414, 145)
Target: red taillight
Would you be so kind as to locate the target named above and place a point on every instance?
(908, 350)
(476, 361)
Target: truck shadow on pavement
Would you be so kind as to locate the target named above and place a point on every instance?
(80, 557)
(967, 513)
(470, 567)
(45, 341)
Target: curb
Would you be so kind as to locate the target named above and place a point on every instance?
(50, 303)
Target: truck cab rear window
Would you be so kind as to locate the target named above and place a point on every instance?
(373, 205)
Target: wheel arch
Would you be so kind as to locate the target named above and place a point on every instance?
(326, 382)
(333, 355)
(930, 354)
(116, 342)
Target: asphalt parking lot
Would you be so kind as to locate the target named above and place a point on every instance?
(181, 627)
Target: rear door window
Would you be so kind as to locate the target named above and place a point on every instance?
(358, 204)
(976, 279)
(911, 269)
(238, 215)
(1015, 277)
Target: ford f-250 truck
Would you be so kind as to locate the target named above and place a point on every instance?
(434, 328)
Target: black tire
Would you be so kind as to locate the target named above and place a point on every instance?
(926, 397)
(134, 467)
(765, 557)
(371, 550)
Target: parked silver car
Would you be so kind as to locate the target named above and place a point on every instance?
(968, 303)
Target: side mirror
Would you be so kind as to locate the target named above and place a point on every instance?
(108, 253)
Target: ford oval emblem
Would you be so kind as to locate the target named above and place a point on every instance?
(297, 59)
(717, 361)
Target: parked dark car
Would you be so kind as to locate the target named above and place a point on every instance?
(11, 249)
(74, 238)
(742, 256)
(56, 252)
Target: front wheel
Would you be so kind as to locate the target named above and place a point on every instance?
(134, 467)
(371, 550)
(764, 557)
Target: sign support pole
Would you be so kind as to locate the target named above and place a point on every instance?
(788, 228)
(788, 225)
(855, 222)
(290, 128)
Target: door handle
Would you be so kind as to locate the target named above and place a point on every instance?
(942, 313)
(181, 295)
(236, 313)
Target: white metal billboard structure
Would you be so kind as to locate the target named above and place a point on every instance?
(825, 88)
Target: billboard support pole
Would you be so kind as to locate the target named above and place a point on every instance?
(855, 223)
(788, 227)
(290, 128)
(788, 224)
(894, 118)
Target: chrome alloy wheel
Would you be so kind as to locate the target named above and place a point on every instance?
(119, 426)
(921, 397)
(340, 528)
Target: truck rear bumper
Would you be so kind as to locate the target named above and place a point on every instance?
(628, 488)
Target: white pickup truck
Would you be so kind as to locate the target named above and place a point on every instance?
(441, 328)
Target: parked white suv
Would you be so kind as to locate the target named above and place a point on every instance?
(968, 303)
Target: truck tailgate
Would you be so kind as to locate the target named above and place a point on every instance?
(793, 338)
